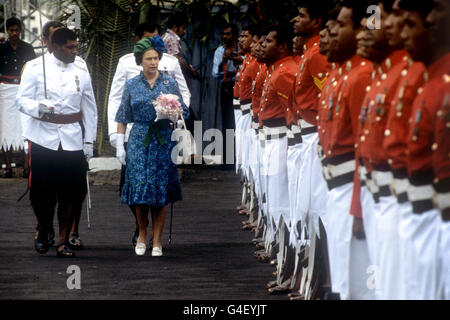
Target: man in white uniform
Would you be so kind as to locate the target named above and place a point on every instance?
(58, 151)
(127, 69)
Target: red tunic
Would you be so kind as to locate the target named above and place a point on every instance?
(344, 105)
(397, 126)
(277, 89)
(375, 110)
(422, 123)
(441, 149)
(257, 88)
(308, 83)
(236, 87)
(246, 80)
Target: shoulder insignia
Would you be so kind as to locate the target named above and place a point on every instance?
(319, 83)
(282, 95)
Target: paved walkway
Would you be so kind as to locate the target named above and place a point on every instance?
(210, 256)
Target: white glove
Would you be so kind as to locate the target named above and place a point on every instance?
(120, 149)
(113, 139)
(45, 107)
(25, 146)
(88, 149)
(180, 124)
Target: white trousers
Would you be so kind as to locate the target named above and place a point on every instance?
(349, 257)
(253, 161)
(339, 236)
(274, 170)
(246, 131)
(419, 236)
(294, 158)
(444, 261)
(10, 118)
(238, 138)
(318, 192)
(369, 214)
(389, 257)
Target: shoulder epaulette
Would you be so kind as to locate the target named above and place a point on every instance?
(170, 56)
(80, 64)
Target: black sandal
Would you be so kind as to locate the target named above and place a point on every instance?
(41, 242)
(75, 242)
(65, 252)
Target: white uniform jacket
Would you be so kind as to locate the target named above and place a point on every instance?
(69, 89)
(127, 69)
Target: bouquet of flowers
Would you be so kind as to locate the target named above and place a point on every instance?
(167, 106)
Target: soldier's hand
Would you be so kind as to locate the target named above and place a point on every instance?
(45, 107)
(358, 229)
(88, 149)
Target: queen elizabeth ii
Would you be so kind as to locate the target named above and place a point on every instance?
(151, 177)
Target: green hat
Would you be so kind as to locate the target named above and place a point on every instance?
(142, 46)
(146, 44)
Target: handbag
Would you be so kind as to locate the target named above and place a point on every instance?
(186, 148)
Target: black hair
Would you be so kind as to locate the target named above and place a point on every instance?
(387, 5)
(50, 24)
(285, 34)
(359, 9)
(61, 36)
(251, 28)
(334, 12)
(234, 29)
(316, 9)
(11, 22)
(145, 27)
(422, 6)
(176, 20)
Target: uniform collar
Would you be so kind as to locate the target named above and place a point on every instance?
(394, 58)
(351, 63)
(279, 63)
(58, 62)
(311, 42)
(439, 67)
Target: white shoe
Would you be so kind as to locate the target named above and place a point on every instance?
(156, 252)
(140, 248)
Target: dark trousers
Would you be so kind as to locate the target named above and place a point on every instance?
(226, 102)
(56, 177)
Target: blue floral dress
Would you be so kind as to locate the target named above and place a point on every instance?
(151, 177)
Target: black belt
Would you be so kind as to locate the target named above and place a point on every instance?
(445, 214)
(275, 136)
(295, 140)
(340, 180)
(337, 160)
(422, 206)
(246, 111)
(273, 123)
(402, 197)
(308, 130)
(384, 191)
(401, 173)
